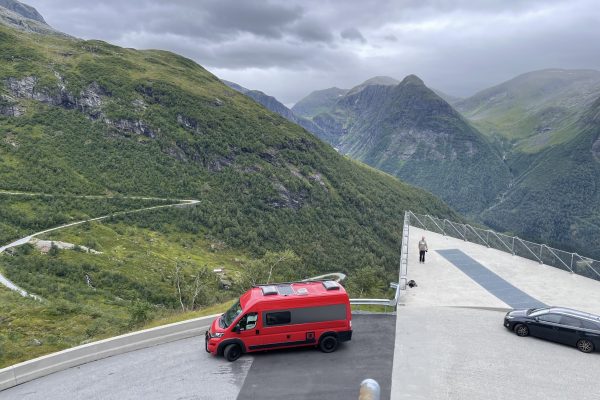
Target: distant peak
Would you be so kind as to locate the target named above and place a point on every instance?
(376, 80)
(381, 80)
(23, 10)
(412, 79)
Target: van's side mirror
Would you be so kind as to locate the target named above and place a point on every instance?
(236, 329)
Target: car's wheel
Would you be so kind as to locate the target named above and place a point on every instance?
(328, 344)
(232, 352)
(585, 345)
(522, 330)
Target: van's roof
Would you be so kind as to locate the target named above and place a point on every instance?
(293, 290)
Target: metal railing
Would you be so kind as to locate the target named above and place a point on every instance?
(541, 253)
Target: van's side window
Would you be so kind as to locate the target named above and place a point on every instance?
(248, 321)
(251, 320)
(278, 318)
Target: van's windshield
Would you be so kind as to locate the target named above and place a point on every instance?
(230, 315)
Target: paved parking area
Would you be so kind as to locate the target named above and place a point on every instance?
(310, 374)
(183, 370)
(454, 353)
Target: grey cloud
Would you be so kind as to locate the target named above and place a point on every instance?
(353, 34)
(289, 48)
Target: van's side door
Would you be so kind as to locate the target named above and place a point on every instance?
(248, 329)
(280, 332)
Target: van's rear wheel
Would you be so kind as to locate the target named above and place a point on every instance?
(329, 344)
(232, 352)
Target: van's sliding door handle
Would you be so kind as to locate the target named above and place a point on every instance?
(257, 331)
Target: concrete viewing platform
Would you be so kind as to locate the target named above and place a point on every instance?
(450, 340)
(442, 283)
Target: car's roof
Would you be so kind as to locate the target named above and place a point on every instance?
(575, 313)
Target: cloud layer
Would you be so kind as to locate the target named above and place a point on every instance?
(289, 48)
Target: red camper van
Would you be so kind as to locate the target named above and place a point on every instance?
(312, 313)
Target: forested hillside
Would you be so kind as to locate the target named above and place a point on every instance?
(86, 117)
(556, 198)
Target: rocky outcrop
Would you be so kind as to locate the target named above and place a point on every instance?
(24, 18)
(23, 10)
(287, 198)
(137, 127)
(29, 88)
(10, 108)
(189, 123)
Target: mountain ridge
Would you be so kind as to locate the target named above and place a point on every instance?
(409, 131)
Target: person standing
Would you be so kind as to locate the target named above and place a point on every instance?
(422, 250)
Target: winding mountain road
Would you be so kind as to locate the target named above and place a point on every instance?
(12, 286)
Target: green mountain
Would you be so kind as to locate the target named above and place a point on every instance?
(410, 132)
(84, 117)
(88, 117)
(555, 198)
(535, 110)
(272, 104)
(318, 101)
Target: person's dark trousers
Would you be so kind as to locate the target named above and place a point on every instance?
(421, 255)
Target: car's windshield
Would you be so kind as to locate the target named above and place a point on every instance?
(538, 310)
(230, 315)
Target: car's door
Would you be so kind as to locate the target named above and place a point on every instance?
(591, 331)
(545, 326)
(570, 330)
(248, 330)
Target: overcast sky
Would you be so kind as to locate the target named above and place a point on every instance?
(290, 47)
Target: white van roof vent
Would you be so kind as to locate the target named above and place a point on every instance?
(269, 290)
(331, 285)
(285, 290)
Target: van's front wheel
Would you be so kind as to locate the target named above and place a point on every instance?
(232, 352)
(329, 344)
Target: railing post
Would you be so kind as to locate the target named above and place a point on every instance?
(465, 232)
(487, 237)
(572, 255)
(541, 248)
(513, 246)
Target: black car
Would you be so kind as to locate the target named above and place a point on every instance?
(558, 324)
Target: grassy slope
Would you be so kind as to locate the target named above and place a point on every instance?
(21, 215)
(265, 185)
(535, 110)
(133, 284)
(556, 200)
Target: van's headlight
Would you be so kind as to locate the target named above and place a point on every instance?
(350, 323)
(217, 334)
(509, 317)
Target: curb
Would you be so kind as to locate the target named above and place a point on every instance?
(65, 359)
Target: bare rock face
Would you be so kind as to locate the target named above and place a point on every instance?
(189, 123)
(23, 10)
(137, 127)
(28, 88)
(10, 108)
